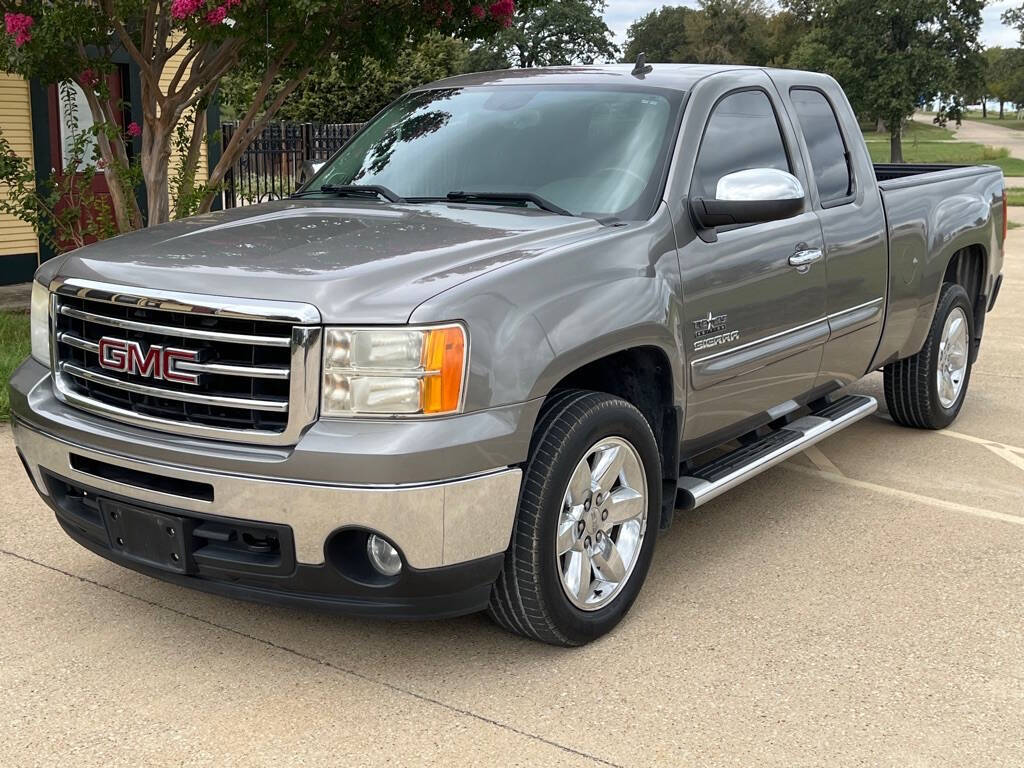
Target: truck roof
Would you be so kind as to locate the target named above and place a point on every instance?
(675, 76)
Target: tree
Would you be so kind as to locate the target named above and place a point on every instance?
(718, 31)
(891, 55)
(327, 95)
(661, 35)
(62, 40)
(547, 33)
(1000, 75)
(730, 32)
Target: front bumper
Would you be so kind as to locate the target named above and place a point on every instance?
(451, 533)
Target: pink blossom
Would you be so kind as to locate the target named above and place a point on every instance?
(182, 9)
(133, 129)
(477, 11)
(18, 25)
(217, 15)
(503, 10)
(88, 77)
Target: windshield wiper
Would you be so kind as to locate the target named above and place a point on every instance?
(356, 190)
(507, 197)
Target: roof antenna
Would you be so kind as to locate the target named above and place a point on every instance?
(641, 67)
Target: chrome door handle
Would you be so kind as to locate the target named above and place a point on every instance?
(805, 258)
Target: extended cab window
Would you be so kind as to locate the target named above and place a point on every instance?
(830, 162)
(742, 133)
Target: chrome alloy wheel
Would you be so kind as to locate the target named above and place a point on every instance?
(602, 523)
(953, 353)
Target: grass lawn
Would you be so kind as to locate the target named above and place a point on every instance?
(14, 347)
(912, 131)
(1013, 225)
(1014, 196)
(953, 152)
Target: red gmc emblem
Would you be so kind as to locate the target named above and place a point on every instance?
(156, 362)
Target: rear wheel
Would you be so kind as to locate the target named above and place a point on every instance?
(583, 538)
(928, 389)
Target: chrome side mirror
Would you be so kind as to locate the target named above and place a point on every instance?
(751, 196)
(759, 184)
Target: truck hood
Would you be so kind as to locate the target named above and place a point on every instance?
(358, 262)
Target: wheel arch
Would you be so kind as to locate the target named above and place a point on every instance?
(644, 376)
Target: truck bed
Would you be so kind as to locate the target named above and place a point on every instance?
(899, 175)
(931, 213)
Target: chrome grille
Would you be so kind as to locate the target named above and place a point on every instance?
(257, 365)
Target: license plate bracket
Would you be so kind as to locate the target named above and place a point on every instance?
(149, 537)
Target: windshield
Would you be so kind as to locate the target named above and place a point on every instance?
(593, 151)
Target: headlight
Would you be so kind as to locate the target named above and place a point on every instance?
(40, 323)
(393, 371)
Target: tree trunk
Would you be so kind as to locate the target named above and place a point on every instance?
(1000, 109)
(127, 214)
(895, 142)
(984, 107)
(879, 125)
(156, 156)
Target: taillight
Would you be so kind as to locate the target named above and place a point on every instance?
(1005, 221)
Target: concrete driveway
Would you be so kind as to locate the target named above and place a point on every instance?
(860, 605)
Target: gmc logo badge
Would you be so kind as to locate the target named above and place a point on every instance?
(155, 363)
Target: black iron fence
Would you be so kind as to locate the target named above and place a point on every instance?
(272, 165)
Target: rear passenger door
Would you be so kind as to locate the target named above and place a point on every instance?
(754, 320)
(848, 204)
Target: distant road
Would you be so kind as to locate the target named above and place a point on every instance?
(992, 135)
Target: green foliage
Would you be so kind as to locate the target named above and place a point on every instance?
(1004, 74)
(15, 346)
(549, 33)
(187, 190)
(279, 39)
(892, 55)
(63, 209)
(662, 35)
(717, 32)
(327, 95)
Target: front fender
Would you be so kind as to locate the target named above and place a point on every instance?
(536, 320)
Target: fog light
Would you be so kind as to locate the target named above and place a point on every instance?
(383, 556)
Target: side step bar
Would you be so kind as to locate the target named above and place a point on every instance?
(710, 480)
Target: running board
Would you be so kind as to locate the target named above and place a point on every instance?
(710, 480)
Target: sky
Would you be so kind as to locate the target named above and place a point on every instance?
(621, 13)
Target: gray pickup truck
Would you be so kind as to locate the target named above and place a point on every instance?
(479, 359)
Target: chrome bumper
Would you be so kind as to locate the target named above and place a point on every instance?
(432, 524)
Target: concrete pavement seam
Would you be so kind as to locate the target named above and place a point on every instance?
(323, 662)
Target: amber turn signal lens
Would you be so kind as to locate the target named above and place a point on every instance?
(444, 358)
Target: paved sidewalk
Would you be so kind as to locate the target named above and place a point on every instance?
(15, 298)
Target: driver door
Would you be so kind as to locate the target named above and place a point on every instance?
(754, 295)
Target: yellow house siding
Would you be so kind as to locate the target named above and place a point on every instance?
(16, 237)
(202, 173)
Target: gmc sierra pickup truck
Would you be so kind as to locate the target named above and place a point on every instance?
(479, 359)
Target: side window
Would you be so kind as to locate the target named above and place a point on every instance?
(741, 133)
(830, 161)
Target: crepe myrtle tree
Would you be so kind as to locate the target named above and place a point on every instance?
(183, 48)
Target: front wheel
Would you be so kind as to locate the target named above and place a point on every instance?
(928, 389)
(587, 521)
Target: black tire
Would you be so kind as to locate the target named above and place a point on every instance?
(911, 391)
(527, 597)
